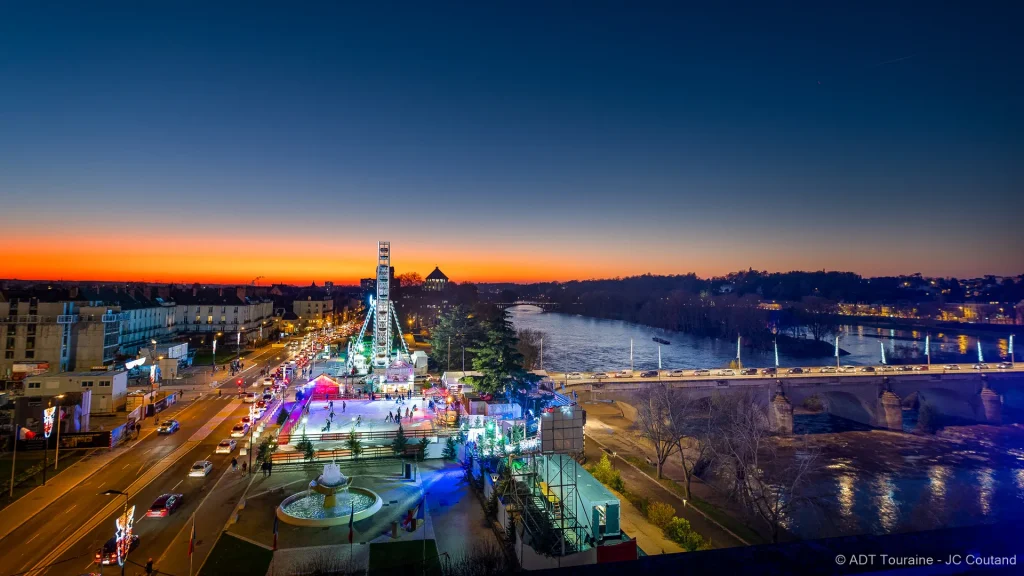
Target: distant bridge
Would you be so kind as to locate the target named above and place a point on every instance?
(872, 399)
(546, 306)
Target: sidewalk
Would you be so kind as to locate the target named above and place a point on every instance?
(19, 511)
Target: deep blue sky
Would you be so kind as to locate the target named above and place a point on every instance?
(495, 138)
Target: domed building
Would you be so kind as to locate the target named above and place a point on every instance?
(436, 281)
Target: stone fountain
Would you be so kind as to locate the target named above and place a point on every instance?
(330, 483)
(330, 501)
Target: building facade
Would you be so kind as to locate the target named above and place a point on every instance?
(109, 388)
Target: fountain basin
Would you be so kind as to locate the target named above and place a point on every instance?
(307, 508)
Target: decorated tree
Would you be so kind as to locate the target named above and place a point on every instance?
(497, 358)
(450, 450)
(353, 444)
(400, 442)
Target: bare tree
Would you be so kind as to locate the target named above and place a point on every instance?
(529, 346)
(818, 315)
(655, 422)
(767, 480)
(690, 417)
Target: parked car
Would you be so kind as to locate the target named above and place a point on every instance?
(795, 371)
(226, 446)
(1004, 366)
(649, 374)
(677, 373)
(624, 374)
(867, 369)
(164, 505)
(600, 375)
(201, 468)
(848, 369)
(748, 372)
(769, 371)
(108, 554)
(828, 369)
(575, 376)
(951, 367)
(701, 372)
(168, 427)
(725, 372)
(239, 430)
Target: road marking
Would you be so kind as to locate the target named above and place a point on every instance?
(36, 535)
(176, 485)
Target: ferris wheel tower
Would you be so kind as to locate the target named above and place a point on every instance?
(386, 327)
(382, 307)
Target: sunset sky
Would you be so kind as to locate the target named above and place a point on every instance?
(507, 141)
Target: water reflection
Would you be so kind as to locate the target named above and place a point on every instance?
(938, 476)
(1018, 477)
(986, 485)
(885, 502)
(846, 495)
(963, 343)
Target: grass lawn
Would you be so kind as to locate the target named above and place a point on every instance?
(404, 557)
(236, 556)
(735, 526)
(30, 459)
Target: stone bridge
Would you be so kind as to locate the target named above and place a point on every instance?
(873, 400)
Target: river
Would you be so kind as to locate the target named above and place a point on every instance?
(580, 344)
(871, 481)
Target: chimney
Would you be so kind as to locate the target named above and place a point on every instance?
(195, 290)
(73, 292)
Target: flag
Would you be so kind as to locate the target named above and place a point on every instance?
(776, 353)
(275, 532)
(421, 509)
(980, 358)
(192, 538)
(928, 345)
(837, 346)
(351, 520)
(882, 345)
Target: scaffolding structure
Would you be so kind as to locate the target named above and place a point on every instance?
(544, 496)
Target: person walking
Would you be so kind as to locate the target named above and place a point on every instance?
(342, 406)
(243, 466)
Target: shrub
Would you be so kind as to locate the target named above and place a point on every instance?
(660, 514)
(450, 450)
(813, 403)
(607, 475)
(282, 417)
(679, 531)
(400, 442)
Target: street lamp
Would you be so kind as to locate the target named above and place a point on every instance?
(128, 548)
(56, 455)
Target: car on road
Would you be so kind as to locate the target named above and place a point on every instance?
(921, 368)
(677, 373)
(165, 505)
(239, 430)
(848, 369)
(904, 368)
(249, 397)
(168, 427)
(725, 372)
(981, 366)
(951, 367)
(574, 376)
(108, 554)
(867, 369)
(827, 369)
(200, 469)
(795, 371)
(246, 419)
(1004, 366)
(887, 368)
(600, 375)
(769, 371)
(701, 372)
(624, 374)
(748, 372)
(649, 374)
(226, 446)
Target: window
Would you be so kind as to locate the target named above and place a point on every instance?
(86, 384)
(33, 385)
(30, 342)
(223, 309)
(9, 355)
(236, 309)
(222, 319)
(105, 383)
(31, 329)
(30, 354)
(210, 311)
(209, 319)
(10, 342)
